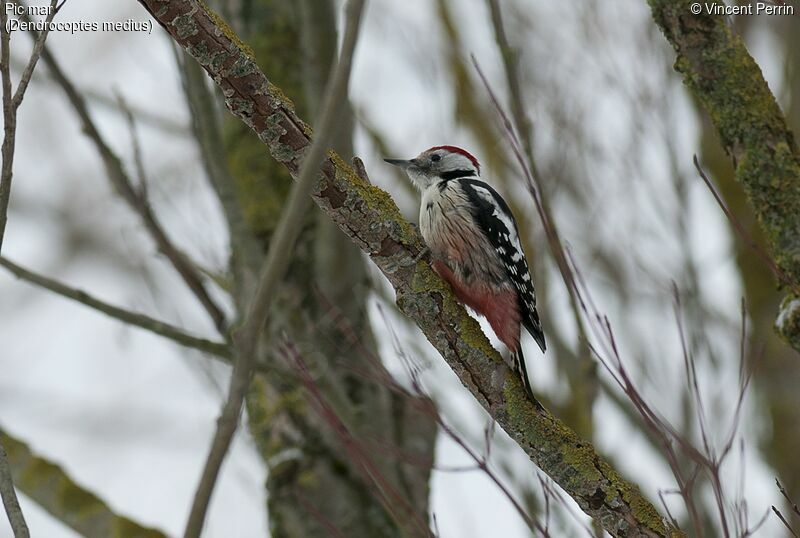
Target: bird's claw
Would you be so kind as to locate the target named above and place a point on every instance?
(422, 254)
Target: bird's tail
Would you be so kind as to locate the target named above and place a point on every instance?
(522, 371)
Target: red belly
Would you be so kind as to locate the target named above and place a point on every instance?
(498, 304)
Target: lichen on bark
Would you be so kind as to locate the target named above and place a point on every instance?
(54, 490)
(725, 78)
(788, 322)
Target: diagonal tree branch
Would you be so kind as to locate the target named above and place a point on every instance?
(126, 316)
(54, 490)
(100, 98)
(370, 218)
(720, 72)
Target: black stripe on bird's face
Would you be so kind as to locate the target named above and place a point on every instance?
(455, 174)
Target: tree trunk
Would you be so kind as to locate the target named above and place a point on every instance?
(312, 486)
(780, 368)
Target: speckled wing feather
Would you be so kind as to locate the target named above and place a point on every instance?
(501, 229)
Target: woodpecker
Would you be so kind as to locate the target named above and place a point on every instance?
(474, 245)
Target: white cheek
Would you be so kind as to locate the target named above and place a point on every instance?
(419, 179)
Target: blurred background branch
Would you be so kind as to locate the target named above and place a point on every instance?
(12, 99)
(758, 175)
(11, 103)
(135, 197)
(719, 70)
(147, 323)
(54, 490)
(9, 497)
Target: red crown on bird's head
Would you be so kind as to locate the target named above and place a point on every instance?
(461, 151)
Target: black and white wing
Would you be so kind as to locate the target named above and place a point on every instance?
(495, 218)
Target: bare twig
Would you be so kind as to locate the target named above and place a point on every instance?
(482, 463)
(126, 189)
(38, 46)
(423, 399)
(603, 333)
(610, 359)
(11, 104)
(9, 495)
(145, 116)
(132, 318)
(274, 266)
(138, 158)
(675, 446)
(666, 508)
(792, 504)
(748, 530)
(552, 493)
(785, 523)
(526, 163)
(510, 58)
(420, 400)
(394, 502)
(524, 128)
(776, 270)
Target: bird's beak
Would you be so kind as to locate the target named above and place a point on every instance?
(400, 162)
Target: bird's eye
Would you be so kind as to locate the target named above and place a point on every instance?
(436, 157)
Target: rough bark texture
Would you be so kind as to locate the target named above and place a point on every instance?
(52, 489)
(311, 487)
(369, 217)
(718, 69)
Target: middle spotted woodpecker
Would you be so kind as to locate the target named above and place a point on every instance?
(474, 244)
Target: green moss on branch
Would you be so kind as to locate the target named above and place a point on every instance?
(49, 486)
(722, 74)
